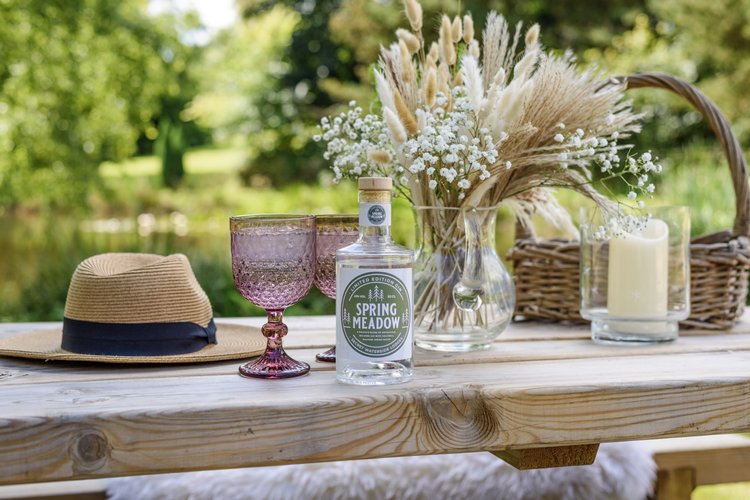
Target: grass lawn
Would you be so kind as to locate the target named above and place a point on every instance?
(197, 162)
(733, 491)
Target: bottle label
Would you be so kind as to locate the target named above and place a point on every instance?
(374, 214)
(374, 314)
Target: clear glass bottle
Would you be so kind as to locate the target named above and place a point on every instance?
(374, 296)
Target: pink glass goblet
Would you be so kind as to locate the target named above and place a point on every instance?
(333, 232)
(273, 265)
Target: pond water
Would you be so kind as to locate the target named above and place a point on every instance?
(39, 254)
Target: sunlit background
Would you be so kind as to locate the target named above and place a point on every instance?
(142, 126)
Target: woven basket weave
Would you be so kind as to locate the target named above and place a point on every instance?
(547, 272)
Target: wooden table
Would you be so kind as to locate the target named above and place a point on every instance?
(542, 395)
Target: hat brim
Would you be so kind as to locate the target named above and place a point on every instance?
(233, 342)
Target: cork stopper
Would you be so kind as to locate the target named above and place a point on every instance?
(375, 184)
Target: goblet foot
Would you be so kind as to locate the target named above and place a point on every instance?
(328, 356)
(276, 364)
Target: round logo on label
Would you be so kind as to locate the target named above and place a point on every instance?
(375, 314)
(376, 215)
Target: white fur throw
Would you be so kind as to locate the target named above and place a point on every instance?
(622, 471)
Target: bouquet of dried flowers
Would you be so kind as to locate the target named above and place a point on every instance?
(471, 123)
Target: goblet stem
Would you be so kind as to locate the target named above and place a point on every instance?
(275, 362)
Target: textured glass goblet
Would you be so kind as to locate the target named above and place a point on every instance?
(333, 232)
(273, 265)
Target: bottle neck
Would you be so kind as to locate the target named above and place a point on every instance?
(374, 217)
(374, 234)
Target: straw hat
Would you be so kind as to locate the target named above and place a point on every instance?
(137, 308)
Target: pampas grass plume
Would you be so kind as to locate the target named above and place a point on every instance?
(447, 51)
(395, 127)
(410, 123)
(445, 28)
(468, 29)
(445, 42)
(472, 79)
(532, 37)
(444, 76)
(379, 156)
(413, 11)
(434, 54)
(474, 49)
(421, 119)
(430, 86)
(523, 69)
(385, 94)
(411, 41)
(456, 29)
(407, 68)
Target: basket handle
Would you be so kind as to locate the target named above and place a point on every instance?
(720, 127)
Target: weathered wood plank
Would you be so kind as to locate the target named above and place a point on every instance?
(538, 386)
(102, 428)
(18, 371)
(676, 484)
(90, 489)
(313, 331)
(713, 459)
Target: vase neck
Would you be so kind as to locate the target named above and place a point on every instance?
(446, 229)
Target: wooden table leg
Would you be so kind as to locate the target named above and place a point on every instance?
(675, 484)
(553, 456)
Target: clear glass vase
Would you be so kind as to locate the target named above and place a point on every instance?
(463, 294)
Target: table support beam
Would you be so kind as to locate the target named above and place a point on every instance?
(553, 456)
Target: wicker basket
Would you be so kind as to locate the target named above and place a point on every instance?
(546, 272)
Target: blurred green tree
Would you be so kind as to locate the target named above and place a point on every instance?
(243, 96)
(714, 36)
(705, 42)
(79, 82)
(170, 147)
(238, 70)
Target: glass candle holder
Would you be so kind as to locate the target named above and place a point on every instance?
(635, 273)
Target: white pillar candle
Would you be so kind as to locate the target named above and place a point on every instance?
(638, 273)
